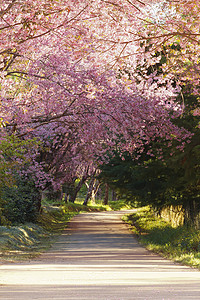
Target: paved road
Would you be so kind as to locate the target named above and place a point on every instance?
(97, 258)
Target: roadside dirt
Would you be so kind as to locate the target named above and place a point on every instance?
(97, 258)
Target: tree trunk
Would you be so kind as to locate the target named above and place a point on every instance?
(77, 189)
(61, 195)
(89, 192)
(105, 202)
(99, 193)
(94, 191)
(68, 190)
(39, 204)
(66, 197)
(114, 196)
(191, 212)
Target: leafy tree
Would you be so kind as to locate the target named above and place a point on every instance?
(13, 155)
(20, 202)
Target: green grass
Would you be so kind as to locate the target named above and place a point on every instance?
(119, 205)
(27, 241)
(79, 207)
(23, 242)
(181, 244)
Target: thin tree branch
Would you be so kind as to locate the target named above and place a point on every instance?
(3, 12)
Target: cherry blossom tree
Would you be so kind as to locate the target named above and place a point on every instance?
(60, 65)
(81, 115)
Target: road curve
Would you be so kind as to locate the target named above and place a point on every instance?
(97, 258)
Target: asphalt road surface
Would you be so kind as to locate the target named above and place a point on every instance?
(97, 258)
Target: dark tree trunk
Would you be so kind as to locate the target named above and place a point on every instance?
(66, 197)
(105, 202)
(39, 203)
(114, 196)
(74, 193)
(191, 213)
(68, 190)
(61, 195)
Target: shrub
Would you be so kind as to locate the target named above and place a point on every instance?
(19, 203)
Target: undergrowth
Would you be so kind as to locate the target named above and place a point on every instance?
(181, 244)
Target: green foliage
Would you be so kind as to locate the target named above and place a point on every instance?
(137, 181)
(20, 203)
(12, 157)
(19, 199)
(181, 244)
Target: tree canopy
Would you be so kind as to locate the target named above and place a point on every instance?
(88, 78)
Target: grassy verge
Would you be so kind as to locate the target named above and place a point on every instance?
(119, 205)
(27, 241)
(78, 207)
(180, 244)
